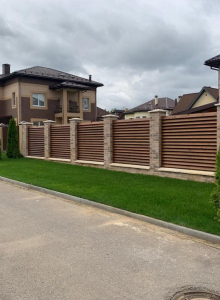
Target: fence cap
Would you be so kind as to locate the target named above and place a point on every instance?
(25, 123)
(76, 119)
(110, 116)
(3, 125)
(49, 121)
(217, 104)
(157, 110)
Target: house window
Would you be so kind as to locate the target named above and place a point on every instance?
(137, 117)
(86, 103)
(38, 123)
(39, 100)
(13, 100)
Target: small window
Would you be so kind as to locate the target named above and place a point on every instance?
(86, 103)
(137, 117)
(13, 100)
(144, 117)
(39, 100)
(38, 123)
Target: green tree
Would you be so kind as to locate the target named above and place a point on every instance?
(215, 196)
(12, 140)
(0, 149)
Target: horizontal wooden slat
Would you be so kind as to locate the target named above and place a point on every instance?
(60, 141)
(131, 142)
(91, 141)
(189, 141)
(36, 141)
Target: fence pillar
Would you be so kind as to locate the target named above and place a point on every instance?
(47, 125)
(108, 139)
(74, 138)
(156, 137)
(218, 125)
(23, 130)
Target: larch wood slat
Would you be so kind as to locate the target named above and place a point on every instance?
(36, 141)
(91, 141)
(131, 142)
(60, 141)
(189, 141)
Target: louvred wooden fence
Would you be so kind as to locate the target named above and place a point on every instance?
(91, 141)
(131, 142)
(60, 141)
(190, 141)
(36, 141)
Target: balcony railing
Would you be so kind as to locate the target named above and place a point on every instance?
(71, 108)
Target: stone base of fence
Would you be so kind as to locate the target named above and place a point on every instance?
(134, 146)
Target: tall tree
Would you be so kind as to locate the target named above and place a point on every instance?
(12, 141)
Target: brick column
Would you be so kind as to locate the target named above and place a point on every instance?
(155, 137)
(23, 130)
(108, 139)
(218, 125)
(74, 138)
(47, 125)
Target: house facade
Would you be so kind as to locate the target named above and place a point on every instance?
(37, 94)
(142, 111)
(203, 101)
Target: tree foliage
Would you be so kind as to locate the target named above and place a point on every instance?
(215, 196)
(12, 141)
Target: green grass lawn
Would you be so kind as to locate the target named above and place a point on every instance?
(181, 202)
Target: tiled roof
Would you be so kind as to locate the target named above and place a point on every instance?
(213, 62)
(163, 103)
(70, 84)
(101, 112)
(49, 73)
(187, 100)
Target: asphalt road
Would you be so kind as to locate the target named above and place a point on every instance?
(55, 249)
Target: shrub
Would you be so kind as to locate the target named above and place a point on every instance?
(12, 140)
(0, 149)
(215, 196)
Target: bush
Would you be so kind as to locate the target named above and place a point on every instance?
(12, 140)
(215, 196)
(0, 149)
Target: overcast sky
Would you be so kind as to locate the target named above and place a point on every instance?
(136, 48)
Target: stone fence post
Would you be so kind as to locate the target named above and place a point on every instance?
(108, 139)
(218, 125)
(23, 137)
(155, 138)
(74, 138)
(47, 125)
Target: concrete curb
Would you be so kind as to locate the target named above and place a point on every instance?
(191, 232)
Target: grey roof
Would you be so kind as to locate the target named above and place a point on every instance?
(213, 62)
(49, 73)
(163, 103)
(69, 84)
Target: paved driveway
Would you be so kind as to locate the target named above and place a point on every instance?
(55, 249)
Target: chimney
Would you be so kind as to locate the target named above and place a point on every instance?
(90, 77)
(5, 69)
(178, 98)
(175, 102)
(166, 103)
(156, 100)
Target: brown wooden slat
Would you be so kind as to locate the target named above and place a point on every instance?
(189, 141)
(36, 141)
(131, 142)
(91, 141)
(60, 141)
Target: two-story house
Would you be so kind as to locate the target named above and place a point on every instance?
(37, 94)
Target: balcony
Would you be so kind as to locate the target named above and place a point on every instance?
(71, 108)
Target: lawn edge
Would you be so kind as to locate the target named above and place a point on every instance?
(212, 238)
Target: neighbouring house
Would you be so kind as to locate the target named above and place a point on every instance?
(119, 112)
(142, 111)
(203, 101)
(37, 94)
(100, 113)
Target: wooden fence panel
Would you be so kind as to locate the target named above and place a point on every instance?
(36, 141)
(131, 142)
(60, 141)
(189, 141)
(91, 141)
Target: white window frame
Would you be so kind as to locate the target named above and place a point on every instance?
(38, 123)
(13, 99)
(83, 103)
(38, 94)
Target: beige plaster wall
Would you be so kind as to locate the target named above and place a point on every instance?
(204, 99)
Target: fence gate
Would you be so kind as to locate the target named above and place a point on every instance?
(189, 141)
(131, 142)
(91, 141)
(60, 141)
(36, 141)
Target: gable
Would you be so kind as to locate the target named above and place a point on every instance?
(203, 99)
